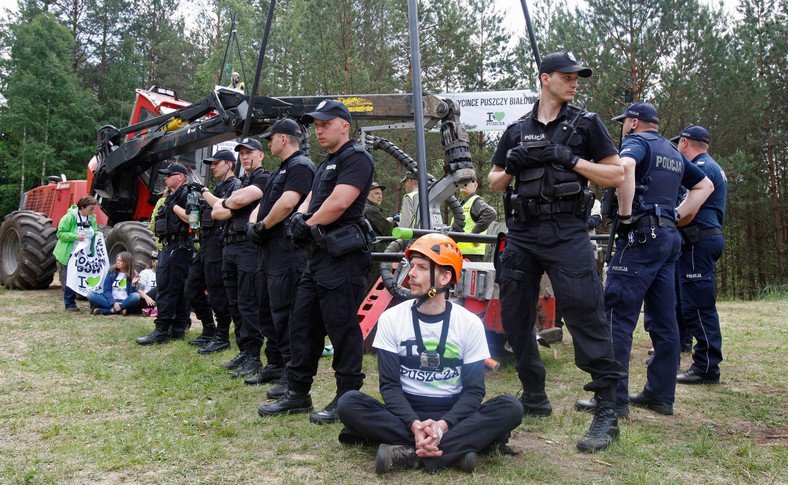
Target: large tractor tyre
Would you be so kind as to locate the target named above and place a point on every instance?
(27, 242)
(134, 237)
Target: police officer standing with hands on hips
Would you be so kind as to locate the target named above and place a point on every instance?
(330, 223)
(172, 229)
(644, 262)
(241, 259)
(546, 216)
(703, 246)
(281, 262)
(206, 270)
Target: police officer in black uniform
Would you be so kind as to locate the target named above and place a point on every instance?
(643, 265)
(281, 262)
(172, 229)
(206, 270)
(241, 258)
(546, 215)
(331, 289)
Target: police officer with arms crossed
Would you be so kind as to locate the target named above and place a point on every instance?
(281, 262)
(206, 270)
(703, 246)
(172, 229)
(331, 289)
(431, 362)
(546, 218)
(642, 268)
(241, 259)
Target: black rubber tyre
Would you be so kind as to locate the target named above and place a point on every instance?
(134, 237)
(27, 240)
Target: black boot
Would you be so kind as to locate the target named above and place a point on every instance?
(327, 415)
(536, 405)
(291, 403)
(279, 389)
(217, 344)
(235, 361)
(396, 456)
(269, 373)
(589, 406)
(604, 428)
(249, 366)
(208, 333)
(157, 336)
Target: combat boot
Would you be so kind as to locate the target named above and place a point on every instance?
(279, 389)
(217, 344)
(157, 336)
(536, 405)
(205, 337)
(604, 428)
(267, 374)
(589, 406)
(327, 415)
(292, 402)
(396, 456)
(235, 361)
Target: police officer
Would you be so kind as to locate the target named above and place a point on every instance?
(172, 229)
(206, 270)
(281, 263)
(478, 217)
(240, 259)
(643, 265)
(331, 289)
(546, 216)
(703, 246)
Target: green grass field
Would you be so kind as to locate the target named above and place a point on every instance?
(80, 402)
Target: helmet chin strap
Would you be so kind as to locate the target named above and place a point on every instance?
(433, 291)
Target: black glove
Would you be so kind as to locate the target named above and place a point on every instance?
(560, 155)
(256, 232)
(516, 159)
(197, 186)
(300, 231)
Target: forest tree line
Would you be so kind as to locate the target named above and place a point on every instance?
(69, 67)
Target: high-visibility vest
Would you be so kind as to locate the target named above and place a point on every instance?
(468, 247)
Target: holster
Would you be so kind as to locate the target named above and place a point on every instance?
(344, 239)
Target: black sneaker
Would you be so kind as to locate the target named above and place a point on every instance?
(235, 361)
(589, 406)
(536, 405)
(642, 401)
(290, 403)
(249, 366)
(395, 456)
(604, 429)
(217, 344)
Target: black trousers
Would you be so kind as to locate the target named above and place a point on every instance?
(367, 419)
(561, 247)
(173, 308)
(328, 295)
(195, 292)
(281, 264)
(240, 279)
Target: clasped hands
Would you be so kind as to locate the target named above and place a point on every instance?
(428, 436)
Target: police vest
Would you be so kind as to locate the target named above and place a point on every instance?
(235, 228)
(223, 190)
(170, 227)
(328, 180)
(659, 174)
(275, 186)
(467, 247)
(545, 183)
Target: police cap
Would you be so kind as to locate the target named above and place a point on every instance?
(285, 126)
(640, 111)
(563, 61)
(173, 168)
(249, 143)
(693, 132)
(221, 156)
(328, 109)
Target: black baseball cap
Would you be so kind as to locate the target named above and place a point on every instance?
(563, 61)
(640, 111)
(174, 168)
(221, 156)
(285, 126)
(249, 143)
(693, 132)
(328, 109)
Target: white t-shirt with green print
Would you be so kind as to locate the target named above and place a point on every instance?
(466, 340)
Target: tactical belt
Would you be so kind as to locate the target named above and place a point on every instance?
(648, 221)
(531, 210)
(234, 238)
(709, 231)
(172, 240)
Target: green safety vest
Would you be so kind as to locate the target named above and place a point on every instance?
(467, 247)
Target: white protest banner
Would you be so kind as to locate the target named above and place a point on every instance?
(84, 271)
(492, 110)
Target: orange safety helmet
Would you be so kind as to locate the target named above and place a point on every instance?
(441, 250)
